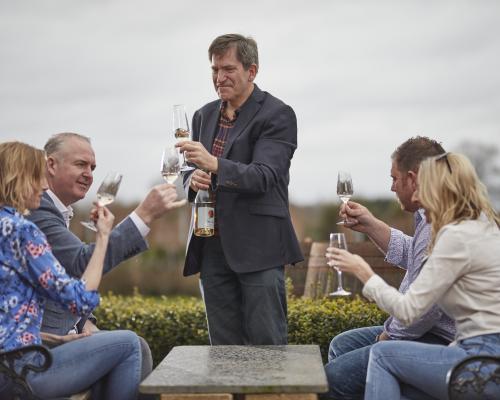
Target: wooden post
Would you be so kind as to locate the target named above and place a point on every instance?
(318, 278)
(321, 279)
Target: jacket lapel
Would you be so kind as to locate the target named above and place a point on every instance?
(50, 204)
(209, 128)
(247, 112)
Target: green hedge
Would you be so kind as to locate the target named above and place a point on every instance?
(172, 321)
(318, 321)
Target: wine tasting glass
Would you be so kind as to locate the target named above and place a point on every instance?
(344, 190)
(106, 194)
(181, 130)
(338, 241)
(170, 164)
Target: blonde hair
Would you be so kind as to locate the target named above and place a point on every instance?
(22, 168)
(450, 191)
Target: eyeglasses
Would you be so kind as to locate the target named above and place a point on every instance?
(445, 157)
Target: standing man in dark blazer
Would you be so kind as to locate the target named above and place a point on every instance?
(242, 146)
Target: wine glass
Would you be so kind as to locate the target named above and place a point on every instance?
(105, 194)
(181, 130)
(170, 164)
(338, 241)
(344, 190)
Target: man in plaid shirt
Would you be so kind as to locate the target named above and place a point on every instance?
(349, 352)
(242, 147)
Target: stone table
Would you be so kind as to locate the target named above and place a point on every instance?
(242, 372)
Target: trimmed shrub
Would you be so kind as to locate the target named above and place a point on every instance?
(166, 322)
(318, 321)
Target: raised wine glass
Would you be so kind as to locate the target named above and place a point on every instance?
(181, 130)
(344, 190)
(106, 194)
(170, 164)
(338, 241)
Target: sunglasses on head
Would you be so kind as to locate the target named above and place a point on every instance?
(444, 156)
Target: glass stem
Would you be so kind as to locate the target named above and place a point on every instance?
(339, 281)
(183, 160)
(345, 219)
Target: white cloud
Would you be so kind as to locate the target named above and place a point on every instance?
(361, 76)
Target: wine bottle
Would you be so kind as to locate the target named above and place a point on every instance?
(204, 213)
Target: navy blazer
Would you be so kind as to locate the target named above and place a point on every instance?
(125, 241)
(252, 211)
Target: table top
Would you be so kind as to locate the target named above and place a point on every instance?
(239, 369)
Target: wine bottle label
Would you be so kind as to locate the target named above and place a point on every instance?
(206, 217)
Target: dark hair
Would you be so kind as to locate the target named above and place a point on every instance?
(411, 153)
(246, 48)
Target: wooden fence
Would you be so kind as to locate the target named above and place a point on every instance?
(314, 278)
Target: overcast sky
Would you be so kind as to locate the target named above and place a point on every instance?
(362, 77)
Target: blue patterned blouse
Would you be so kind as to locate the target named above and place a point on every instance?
(29, 273)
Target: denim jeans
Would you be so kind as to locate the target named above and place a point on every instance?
(112, 359)
(395, 367)
(348, 361)
(146, 368)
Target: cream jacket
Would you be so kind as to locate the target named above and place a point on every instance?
(462, 275)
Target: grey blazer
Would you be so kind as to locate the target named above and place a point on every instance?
(125, 242)
(252, 212)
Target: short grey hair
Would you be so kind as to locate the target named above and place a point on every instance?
(56, 142)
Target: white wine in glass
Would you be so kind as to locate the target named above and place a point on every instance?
(170, 164)
(345, 189)
(106, 194)
(181, 130)
(338, 241)
(103, 199)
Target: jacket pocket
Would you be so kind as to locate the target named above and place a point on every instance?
(268, 209)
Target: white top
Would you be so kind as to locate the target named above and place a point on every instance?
(462, 275)
(67, 212)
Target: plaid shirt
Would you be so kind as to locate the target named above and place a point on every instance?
(225, 127)
(409, 252)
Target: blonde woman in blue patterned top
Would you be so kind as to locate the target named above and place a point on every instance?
(29, 274)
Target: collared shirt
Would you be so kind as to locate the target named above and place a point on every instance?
(225, 126)
(462, 275)
(409, 253)
(29, 273)
(67, 212)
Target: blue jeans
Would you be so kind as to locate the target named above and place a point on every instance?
(146, 368)
(396, 366)
(348, 360)
(112, 360)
